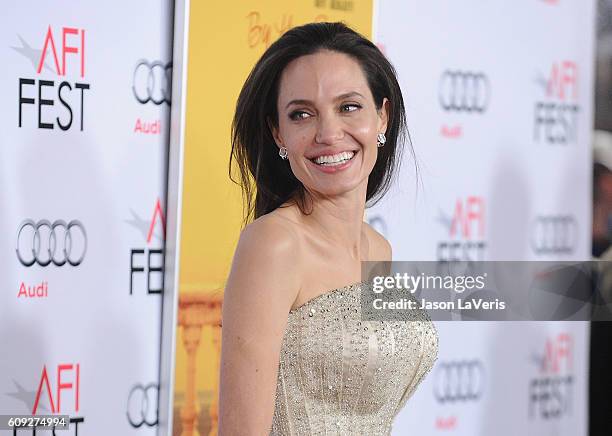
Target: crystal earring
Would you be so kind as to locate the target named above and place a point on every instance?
(381, 139)
(282, 152)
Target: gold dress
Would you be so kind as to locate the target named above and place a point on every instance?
(339, 375)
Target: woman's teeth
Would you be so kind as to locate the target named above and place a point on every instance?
(335, 159)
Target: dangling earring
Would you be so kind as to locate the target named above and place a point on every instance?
(381, 139)
(282, 152)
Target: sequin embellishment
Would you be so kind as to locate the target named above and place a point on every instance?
(339, 375)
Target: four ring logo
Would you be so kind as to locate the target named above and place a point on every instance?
(152, 81)
(464, 91)
(459, 381)
(58, 242)
(142, 405)
(554, 234)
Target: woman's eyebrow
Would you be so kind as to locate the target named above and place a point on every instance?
(349, 95)
(298, 102)
(340, 97)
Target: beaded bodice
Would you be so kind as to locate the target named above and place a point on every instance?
(339, 375)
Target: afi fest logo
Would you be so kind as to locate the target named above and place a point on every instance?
(466, 228)
(57, 103)
(149, 260)
(556, 114)
(58, 392)
(551, 390)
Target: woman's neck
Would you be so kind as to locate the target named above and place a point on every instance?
(339, 219)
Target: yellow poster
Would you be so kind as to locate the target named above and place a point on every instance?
(225, 40)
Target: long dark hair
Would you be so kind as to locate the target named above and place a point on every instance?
(267, 180)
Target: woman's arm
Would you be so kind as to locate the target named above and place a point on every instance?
(262, 286)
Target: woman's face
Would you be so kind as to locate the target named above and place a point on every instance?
(328, 122)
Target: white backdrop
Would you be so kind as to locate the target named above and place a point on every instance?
(499, 103)
(84, 344)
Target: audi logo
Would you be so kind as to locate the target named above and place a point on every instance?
(51, 243)
(142, 405)
(459, 381)
(554, 234)
(152, 81)
(464, 91)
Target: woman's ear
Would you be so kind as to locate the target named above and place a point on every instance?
(383, 115)
(275, 135)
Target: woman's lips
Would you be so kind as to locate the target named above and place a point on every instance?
(333, 167)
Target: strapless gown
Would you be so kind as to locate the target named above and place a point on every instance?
(339, 375)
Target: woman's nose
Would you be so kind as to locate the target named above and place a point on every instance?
(329, 130)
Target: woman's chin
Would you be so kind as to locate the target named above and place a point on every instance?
(336, 190)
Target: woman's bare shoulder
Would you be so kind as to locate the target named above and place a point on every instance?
(379, 247)
(266, 263)
(274, 233)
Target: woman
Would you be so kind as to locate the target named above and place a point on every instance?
(317, 127)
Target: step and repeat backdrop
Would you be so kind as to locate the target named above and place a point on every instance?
(83, 153)
(499, 108)
(500, 115)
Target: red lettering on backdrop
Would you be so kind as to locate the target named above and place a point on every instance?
(451, 132)
(44, 379)
(65, 49)
(463, 219)
(446, 423)
(70, 49)
(48, 38)
(82, 52)
(33, 291)
(156, 212)
(151, 127)
(563, 76)
(61, 385)
(557, 350)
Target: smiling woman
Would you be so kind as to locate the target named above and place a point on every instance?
(333, 130)
(317, 135)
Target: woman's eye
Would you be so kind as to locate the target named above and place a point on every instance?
(349, 107)
(298, 115)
